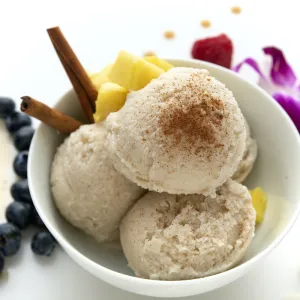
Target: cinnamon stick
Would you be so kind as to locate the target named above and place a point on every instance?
(83, 86)
(49, 116)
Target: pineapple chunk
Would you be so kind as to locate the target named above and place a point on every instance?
(132, 72)
(111, 98)
(143, 73)
(121, 72)
(99, 78)
(159, 62)
(259, 201)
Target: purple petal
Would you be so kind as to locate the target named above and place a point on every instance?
(291, 106)
(250, 62)
(281, 72)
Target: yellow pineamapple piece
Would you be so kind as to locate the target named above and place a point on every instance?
(159, 62)
(121, 72)
(101, 77)
(259, 201)
(111, 98)
(143, 73)
(132, 72)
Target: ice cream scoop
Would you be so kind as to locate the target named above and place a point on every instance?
(87, 190)
(182, 134)
(178, 237)
(246, 164)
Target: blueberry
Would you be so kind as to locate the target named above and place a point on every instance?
(10, 239)
(36, 219)
(7, 107)
(43, 243)
(20, 191)
(19, 214)
(20, 164)
(16, 120)
(23, 137)
(1, 263)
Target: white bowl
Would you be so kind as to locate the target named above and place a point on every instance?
(277, 170)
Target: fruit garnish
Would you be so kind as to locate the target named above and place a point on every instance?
(101, 77)
(19, 214)
(22, 138)
(159, 62)
(149, 53)
(111, 98)
(20, 164)
(217, 50)
(236, 10)
(16, 120)
(20, 191)
(43, 243)
(132, 72)
(7, 107)
(121, 72)
(205, 23)
(169, 34)
(10, 239)
(143, 73)
(129, 72)
(259, 201)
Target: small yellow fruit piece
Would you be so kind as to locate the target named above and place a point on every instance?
(111, 98)
(121, 72)
(159, 62)
(149, 53)
(132, 72)
(99, 78)
(143, 73)
(259, 201)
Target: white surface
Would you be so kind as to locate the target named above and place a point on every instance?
(97, 30)
(276, 136)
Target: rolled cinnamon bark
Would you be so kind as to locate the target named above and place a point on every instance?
(49, 116)
(83, 86)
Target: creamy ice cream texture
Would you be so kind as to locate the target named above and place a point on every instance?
(177, 237)
(87, 190)
(182, 134)
(246, 164)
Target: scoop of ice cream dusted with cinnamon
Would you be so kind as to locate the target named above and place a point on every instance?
(87, 190)
(183, 133)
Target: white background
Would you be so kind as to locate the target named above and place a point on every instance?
(97, 30)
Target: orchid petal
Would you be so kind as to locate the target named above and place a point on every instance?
(281, 72)
(291, 106)
(252, 63)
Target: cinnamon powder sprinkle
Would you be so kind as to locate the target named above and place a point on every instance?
(169, 34)
(205, 23)
(236, 10)
(194, 121)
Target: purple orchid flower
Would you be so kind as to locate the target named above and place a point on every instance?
(281, 72)
(281, 82)
(291, 106)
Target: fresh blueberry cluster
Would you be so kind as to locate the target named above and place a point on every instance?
(21, 212)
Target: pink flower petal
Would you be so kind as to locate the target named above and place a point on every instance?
(281, 72)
